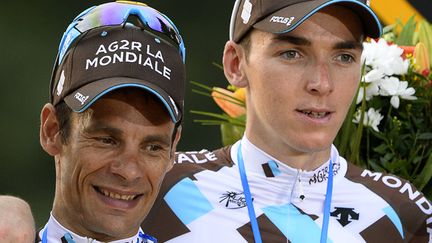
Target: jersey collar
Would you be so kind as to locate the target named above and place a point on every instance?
(56, 231)
(259, 162)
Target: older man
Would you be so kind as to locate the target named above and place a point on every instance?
(113, 121)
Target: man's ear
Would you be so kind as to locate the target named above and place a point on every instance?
(49, 134)
(174, 147)
(234, 57)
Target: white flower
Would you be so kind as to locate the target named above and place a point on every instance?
(384, 58)
(371, 80)
(371, 119)
(391, 86)
(372, 89)
(373, 75)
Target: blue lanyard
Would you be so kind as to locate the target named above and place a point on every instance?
(250, 206)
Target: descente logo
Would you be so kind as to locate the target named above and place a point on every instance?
(282, 20)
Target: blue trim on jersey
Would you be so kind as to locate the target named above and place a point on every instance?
(297, 227)
(45, 236)
(179, 198)
(68, 237)
(274, 168)
(389, 211)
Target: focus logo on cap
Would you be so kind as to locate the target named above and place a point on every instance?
(282, 20)
(81, 98)
(246, 12)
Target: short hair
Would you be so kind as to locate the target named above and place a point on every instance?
(64, 115)
(245, 43)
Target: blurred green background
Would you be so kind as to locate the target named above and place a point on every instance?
(30, 33)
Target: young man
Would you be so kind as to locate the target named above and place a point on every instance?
(300, 63)
(113, 121)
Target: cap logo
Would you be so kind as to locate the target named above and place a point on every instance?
(81, 98)
(282, 20)
(60, 83)
(125, 51)
(246, 12)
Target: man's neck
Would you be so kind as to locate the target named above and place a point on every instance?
(295, 158)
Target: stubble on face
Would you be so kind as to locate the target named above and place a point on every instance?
(110, 171)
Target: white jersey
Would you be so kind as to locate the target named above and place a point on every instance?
(202, 200)
(54, 232)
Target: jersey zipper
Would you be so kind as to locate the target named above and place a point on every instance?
(297, 186)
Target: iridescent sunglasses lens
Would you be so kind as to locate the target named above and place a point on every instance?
(117, 13)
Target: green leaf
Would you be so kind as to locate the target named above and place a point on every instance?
(230, 133)
(202, 93)
(389, 28)
(379, 135)
(425, 175)
(218, 65)
(209, 122)
(425, 136)
(417, 159)
(220, 119)
(425, 36)
(210, 114)
(209, 90)
(381, 149)
(206, 87)
(375, 166)
(406, 35)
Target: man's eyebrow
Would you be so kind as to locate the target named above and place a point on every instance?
(160, 138)
(348, 45)
(300, 41)
(102, 127)
(295, 40)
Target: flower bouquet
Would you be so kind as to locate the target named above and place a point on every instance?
(389, 125)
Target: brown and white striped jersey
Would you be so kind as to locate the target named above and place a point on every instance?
(202, 200)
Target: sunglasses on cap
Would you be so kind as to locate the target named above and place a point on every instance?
(117, 13)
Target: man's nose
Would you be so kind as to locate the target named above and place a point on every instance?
(319, 80)
(127, 165)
